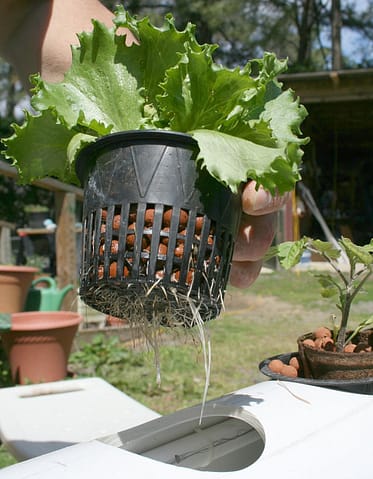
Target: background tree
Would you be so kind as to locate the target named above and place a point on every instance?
(336, 25)
(302, 30)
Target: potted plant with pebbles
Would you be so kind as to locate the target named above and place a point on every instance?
(335, 356)
(162, 138)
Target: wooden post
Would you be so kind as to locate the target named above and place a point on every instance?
(288, 227)
(5, 242)
(66, 251)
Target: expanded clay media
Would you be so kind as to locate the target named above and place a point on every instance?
(149, 261)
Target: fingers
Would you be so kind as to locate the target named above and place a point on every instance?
(256, 233)
(244, 273)
(260, 202)
(254, 237)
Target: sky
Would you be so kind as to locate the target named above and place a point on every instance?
(352, 44)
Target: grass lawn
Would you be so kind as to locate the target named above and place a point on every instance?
(258, 322)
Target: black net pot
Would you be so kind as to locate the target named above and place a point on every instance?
(158, 232)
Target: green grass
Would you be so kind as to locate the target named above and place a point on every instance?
(300, 287)
(259, 322)
(6, 459)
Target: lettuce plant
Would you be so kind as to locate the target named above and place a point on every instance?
(245, 124)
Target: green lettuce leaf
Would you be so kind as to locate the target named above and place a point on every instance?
(159, 49)
(198, 94)
(97, 93)
(245, 125)
(39, 147)
(267, 166)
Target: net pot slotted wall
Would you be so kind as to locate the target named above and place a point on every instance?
(158, 233)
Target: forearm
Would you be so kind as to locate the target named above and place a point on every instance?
(35, 35)
(21, 34)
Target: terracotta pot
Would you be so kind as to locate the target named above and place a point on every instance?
(321, 364)
(39, 344)
(15, 282)
(115, 322)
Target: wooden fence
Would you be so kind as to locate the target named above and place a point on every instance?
(66, 197)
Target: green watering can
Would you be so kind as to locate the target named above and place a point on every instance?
(45, 299)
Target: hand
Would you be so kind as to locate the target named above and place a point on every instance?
(256, 233)
(35, 36)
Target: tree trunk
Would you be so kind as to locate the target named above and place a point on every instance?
(305, 23)
(336, 35)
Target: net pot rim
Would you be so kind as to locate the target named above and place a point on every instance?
(129, 138)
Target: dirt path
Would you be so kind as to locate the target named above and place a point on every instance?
(268, 307)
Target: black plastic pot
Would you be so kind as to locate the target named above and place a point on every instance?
(157, 231)
(36, 218)
(360, 386)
